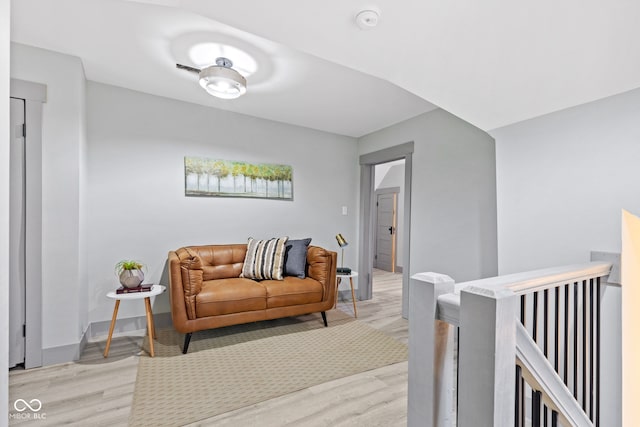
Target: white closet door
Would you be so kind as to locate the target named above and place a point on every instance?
(17, 218)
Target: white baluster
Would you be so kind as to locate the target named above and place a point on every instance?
(430, 354)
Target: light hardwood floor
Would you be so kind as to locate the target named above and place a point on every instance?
(98, 392)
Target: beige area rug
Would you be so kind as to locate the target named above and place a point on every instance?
(237, 366)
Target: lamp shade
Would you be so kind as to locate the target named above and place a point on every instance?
(223, 82)
(341, 241)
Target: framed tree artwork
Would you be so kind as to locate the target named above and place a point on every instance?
(204, 177)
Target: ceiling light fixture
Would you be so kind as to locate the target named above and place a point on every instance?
(222, 81)
(367, 19)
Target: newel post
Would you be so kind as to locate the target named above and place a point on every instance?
(487, 356)
(430, 393)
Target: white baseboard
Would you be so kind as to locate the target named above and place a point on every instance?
(72, 352)
(65, 353)
(130, 324)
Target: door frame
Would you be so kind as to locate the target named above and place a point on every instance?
(379, 192)
(34, 95)
(365, 262)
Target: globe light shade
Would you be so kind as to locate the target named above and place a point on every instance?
(223, 82)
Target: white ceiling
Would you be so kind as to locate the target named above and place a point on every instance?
(490, 62)
(136, 46)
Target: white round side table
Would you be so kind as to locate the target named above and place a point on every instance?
(353, 295)
(155, 290)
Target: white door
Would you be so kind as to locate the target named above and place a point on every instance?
(385, 254)
(17, 234)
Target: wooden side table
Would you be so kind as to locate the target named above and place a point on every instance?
(155, 290)
(353, 294)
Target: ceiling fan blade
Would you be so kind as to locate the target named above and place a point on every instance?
(187, 68)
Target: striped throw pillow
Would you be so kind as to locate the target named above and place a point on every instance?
(264, 259)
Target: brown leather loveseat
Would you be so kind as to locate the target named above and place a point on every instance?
(206, 290)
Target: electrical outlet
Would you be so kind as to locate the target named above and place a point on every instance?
(345, 211)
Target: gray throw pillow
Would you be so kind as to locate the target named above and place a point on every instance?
(295, 257)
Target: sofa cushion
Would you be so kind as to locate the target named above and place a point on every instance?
(264, 259)
(221, 261)
(295, 257)
(225, 296)
(292, 291)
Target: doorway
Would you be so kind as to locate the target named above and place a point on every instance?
(389, 183)
(17, 233)
(368, 220)
(25, 217)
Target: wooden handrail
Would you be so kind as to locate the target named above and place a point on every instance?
(520, 284)
(538, 280)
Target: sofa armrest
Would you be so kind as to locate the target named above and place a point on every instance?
(321, 266)
(185, 279)
(176, 294)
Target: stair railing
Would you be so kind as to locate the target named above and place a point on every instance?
(528, 349)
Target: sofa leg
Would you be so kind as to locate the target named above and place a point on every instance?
(187, 339)
(324, 318)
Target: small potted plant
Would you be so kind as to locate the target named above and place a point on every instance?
(130, 273)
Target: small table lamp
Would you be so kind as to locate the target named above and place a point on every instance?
(342, 243)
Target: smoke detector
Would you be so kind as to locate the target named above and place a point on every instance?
(367, 19)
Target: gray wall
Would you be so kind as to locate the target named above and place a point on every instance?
(65, 279)
(138, 142)
(563, 180)
(453, 211)
(4, 207)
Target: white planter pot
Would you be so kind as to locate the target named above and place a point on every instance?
(131, 278)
